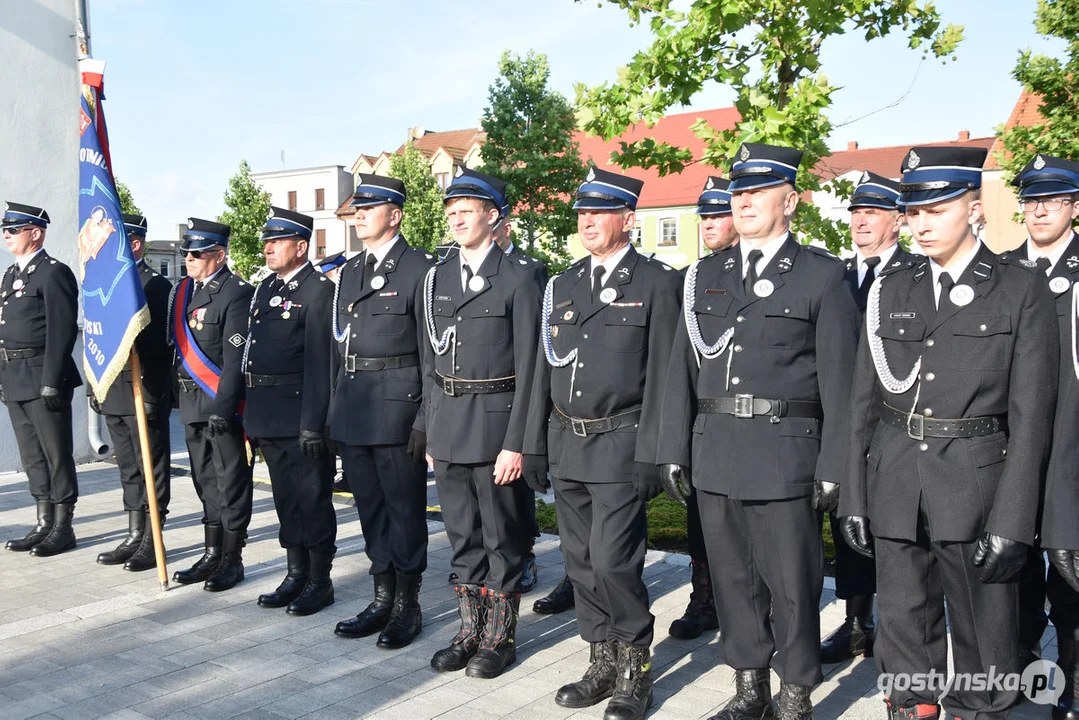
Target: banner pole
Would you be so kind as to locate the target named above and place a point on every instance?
(148, 471)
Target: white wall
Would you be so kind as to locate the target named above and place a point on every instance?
(333, 179)
(39, 148)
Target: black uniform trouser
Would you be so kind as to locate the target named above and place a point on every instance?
(855, 574)
(391, 497)
(302, 495)
(124, 431)
(1032, 591)
(46, 449)
(914, 581)
(604, 535)
(766, 559)
(222, 476)
(1063, 606)
(694, 533)
(483, 524)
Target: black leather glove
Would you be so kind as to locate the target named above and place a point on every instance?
(1000, 558)
(1067, 564)
(646, 481)
(417, 446)
(534, 470)
(95, 405)
(312, 445)
(855, 531)
(218, 425)
(676, 482)
(825, 496)
(54, 399)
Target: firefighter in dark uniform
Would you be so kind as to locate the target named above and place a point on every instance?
(208, 317)
(482, 319)
(136, 552)
(717, 234)
(378, 324)
(951, 419)
(607, 328)
(330, 266)
(287, 374)
(38, 327)
(1049, 199)
(756, 404)
(875, 221)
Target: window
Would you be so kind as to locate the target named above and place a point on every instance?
(320, 243)
(636, 234)
(183, 270)
(443, 180)
(668, 232)
(320, 199)
(164, 268)
(292, 200)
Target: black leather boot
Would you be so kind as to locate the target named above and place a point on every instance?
(406, 620)
(136, 525)
(854, 637)
(752, 699)
(318, 592)
(558, 600)
(922, 711)
(1067, 707)
(597, 683)
(209, 561)
(230, 570)
(61, 537)
(633, 688)
(45, 516)
(794, 702)
(470, 606)
(700, 614)
(374, 617)
(293, 584)
(144, 557)
(498, 642)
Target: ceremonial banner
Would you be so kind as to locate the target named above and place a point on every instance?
(114, 305)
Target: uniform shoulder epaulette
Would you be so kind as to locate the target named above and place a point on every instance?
(1012, 258)
(899, 265)
(579, 263)
(657, 263)
(420, 251)
(822, 252)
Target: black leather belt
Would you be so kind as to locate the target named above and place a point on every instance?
(355, 363)
(188, 385)
(254, 380)
(583, 427)
(20, 354)
(747, 406)
(919, 427)
(457, 386)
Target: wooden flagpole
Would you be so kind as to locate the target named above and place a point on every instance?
(148, 471)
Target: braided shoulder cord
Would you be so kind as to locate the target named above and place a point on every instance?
(169, 341)
(876, 346)
(548, 345)
(693, 327)
(250, 310)
(1075, 312)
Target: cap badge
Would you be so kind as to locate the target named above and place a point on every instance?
(763, 288)
(1059, 285)
(961, 295)
(913, 160)
(744, 155)
(591, 175)
(709, 185)
(460, 171)
(1039, 162)
(190, 224)
(865, 176)
(270, 214)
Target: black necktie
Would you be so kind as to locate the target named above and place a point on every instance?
(946, 284)
(468, 278)
(867, 282)
(198, 287)
(597, 283)
(1043, 265)
(751, 275)
(369, 269)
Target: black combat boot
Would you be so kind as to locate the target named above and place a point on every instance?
(597, 683)
(136, 526)
(38, 532)
(558, 600)
(1067, 707)
(498, 642)
(855, 636)
(700, 614)
(61, 537)
(633, 687)
(230, 570)
(144, 557)
(406, 620)
(471, 608)
(794, 702)
(752, 699)
(209, 561)
(293, 584)
(921, 711)
(318, 592)
(374, 617)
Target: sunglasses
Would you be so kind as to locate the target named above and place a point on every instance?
(199, 254)
(16, 231)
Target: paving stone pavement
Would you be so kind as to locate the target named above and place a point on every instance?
(80, 640)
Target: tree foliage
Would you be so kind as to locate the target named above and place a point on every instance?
(424, 223)
(530, 146)
(248, 206)
(1054, 81)
(127, 202)
(768, 53)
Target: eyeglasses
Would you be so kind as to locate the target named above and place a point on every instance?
(1050, 204)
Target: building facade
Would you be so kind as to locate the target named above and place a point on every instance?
(318, 192)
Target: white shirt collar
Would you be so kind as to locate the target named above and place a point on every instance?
(294, 273)
(885, 255)
(25, 260)
(379, 254)
(476, 265)
(511, 248)
(609, 264)
(956, 272)
(1054, 255)
(770, 249)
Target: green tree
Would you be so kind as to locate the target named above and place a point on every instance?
(768, 53)
(248, 205)
(127, 202)
(424, 224)
(530, 145)
(1054, 81)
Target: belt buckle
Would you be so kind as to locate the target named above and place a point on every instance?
(743, 406)
(249, 381)
(448, 387)
(916, 426)
(575, 423)
(350, 363)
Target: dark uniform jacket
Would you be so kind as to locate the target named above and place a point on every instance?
(289, 336)
(995, 356)
(851, 273)
(497, 336)
(379, 407)
(798, 343)
(155, 352)
(623, 350)
(41, 314)
(222, 306)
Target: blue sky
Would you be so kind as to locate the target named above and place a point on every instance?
(193, 87)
